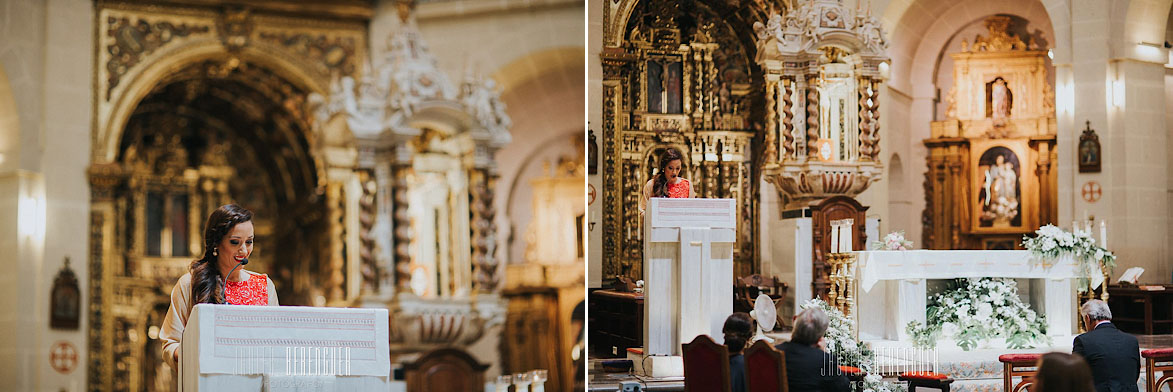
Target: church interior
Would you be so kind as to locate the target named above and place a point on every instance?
(880, 156)
(425, 157)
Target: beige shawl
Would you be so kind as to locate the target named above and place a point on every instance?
(181, 304)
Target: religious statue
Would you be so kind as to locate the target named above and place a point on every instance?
(999, 102)
(1000, 190)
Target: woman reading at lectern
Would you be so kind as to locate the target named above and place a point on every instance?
(667, 182)
(228, 242)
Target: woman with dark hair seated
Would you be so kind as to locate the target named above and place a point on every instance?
(1062, 372)
(737, 332)
(228, 242)
(808, 367)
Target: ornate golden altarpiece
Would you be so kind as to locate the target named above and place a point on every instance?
(822, 63)
(679, 75)
(377, 197)
(991, 164)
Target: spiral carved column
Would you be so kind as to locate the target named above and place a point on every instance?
(874, 110)
(366, 237)
(771, 154)
(788, 147)
(484, 238)
(401, 222)
(812, 122)
(865, 137)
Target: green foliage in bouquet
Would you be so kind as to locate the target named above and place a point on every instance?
(973, 311)
(1052, 243)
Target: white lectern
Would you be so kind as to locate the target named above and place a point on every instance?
(688, 270)
(278, 348)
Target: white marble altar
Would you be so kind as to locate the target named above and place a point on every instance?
(893, 288)
(688, 267)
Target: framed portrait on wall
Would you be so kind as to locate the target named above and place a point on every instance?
(1089, 151)
(65, 300)
(1003, 195)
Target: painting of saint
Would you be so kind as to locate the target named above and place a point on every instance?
(998, 171)
(674, 87)
(655, 82)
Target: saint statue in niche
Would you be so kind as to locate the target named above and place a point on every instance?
(1000, 101)
(999, 194)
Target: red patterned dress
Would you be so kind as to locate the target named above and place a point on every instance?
(254, 291)
(679, 190)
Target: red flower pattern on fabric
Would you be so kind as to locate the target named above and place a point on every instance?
(254, 291)
(678, 190)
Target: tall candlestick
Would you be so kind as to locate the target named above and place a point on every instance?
(1087, 228)
(1104, 234)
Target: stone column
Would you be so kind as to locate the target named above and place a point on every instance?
(484, 230)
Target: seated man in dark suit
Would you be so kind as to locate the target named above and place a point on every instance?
(1114, 356)
(808, 367)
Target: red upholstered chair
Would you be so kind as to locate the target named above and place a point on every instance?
(1019, 365)
(926, 380)
(765, 368)
(1152, 357)
(706, 366)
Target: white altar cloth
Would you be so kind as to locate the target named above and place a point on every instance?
(883, 310)
(875, 266)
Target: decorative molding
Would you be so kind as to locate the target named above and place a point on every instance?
(129, 38)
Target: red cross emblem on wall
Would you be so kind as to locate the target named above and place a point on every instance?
(63, 357)
(1092, 192)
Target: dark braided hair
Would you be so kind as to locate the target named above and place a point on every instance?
(660, 186)
(206, 281)
(738, 329)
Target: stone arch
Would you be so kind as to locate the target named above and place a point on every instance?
(1145, 21)
(9, 125)
(542, 92)
(917, 42)
(918, 32)
(140, 82)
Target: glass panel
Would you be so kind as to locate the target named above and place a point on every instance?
(179, 226)
(154, 216)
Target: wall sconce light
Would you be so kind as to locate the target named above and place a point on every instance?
(1118, 93)
(1149, 50)
(1064, 97)
(31, 216)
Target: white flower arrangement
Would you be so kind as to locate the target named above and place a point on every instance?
(893, 241)
(849, 352)
(1052, 243)
(975, 311)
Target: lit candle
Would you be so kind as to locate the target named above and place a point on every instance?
(1104, 234)
(834, 238)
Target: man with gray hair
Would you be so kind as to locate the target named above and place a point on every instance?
(808, 366)
(1114, 356)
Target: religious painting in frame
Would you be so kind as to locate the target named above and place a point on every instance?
(1003, 194)
(1089, 151)
(65, 300)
